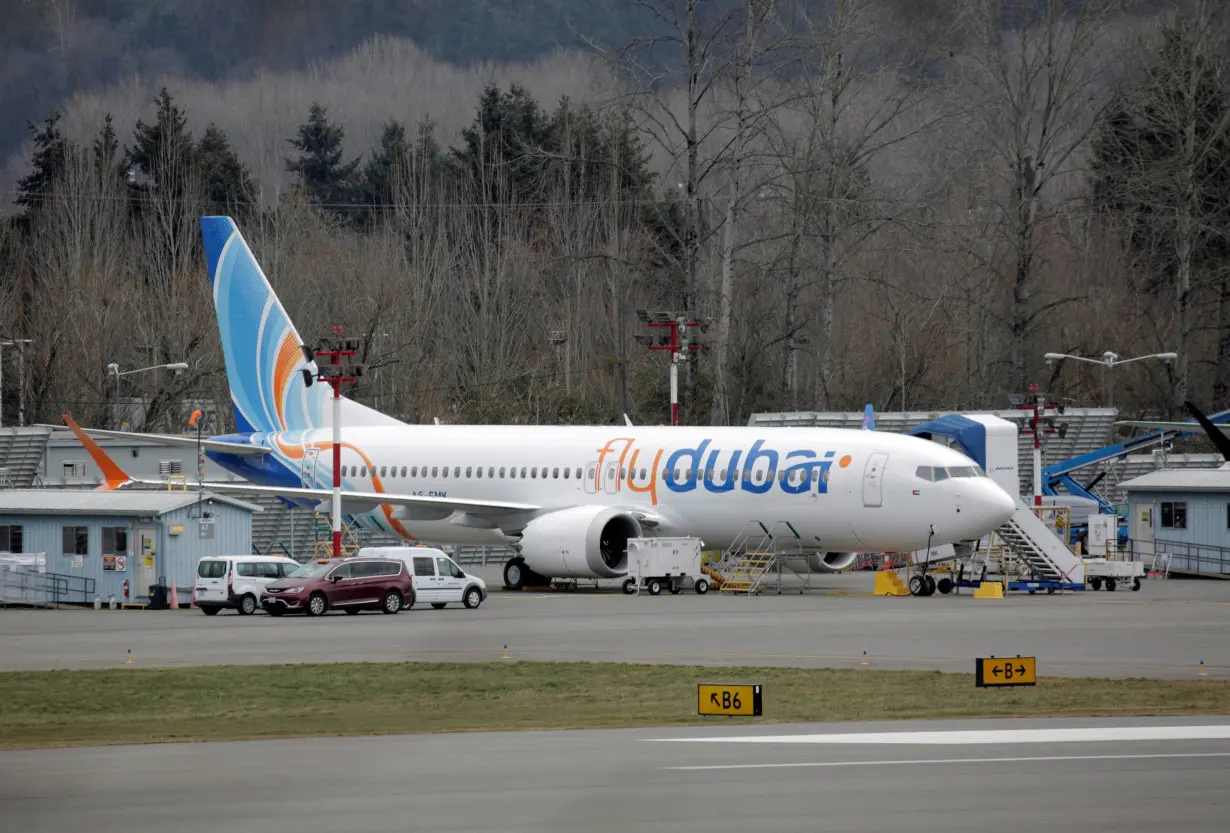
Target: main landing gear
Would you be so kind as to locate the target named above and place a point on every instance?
(518, 576)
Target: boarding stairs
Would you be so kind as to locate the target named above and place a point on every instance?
(1028, 538)
(756, 550)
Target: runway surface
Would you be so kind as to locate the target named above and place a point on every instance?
(1163, 631)
(632, 780)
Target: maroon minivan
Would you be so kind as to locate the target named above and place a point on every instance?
(349, 584)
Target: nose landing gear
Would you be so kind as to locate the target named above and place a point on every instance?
(922, 584)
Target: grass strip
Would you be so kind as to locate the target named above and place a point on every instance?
(54, 708)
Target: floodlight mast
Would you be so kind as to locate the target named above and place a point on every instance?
(335, 374)
(678, 344)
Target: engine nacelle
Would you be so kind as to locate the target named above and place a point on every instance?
(581, 542)
(824, 562)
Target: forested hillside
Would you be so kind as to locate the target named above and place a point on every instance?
(862, 200)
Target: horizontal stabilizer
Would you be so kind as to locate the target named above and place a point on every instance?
(176, 440)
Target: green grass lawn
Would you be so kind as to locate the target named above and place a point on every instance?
(134, 705)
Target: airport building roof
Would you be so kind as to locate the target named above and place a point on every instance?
(91, 502)
(1180, 480)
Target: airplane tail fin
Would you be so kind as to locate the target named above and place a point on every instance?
(1219, 440)
(113, 476)
(264, 353)
(869, 418)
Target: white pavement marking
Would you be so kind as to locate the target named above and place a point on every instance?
(1075, 735)
(1048, 758)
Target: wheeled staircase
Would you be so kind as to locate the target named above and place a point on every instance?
(1027, 537)
(753, 555)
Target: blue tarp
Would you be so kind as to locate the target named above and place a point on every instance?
(969, 436)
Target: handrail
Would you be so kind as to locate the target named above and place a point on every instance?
(1185, 557)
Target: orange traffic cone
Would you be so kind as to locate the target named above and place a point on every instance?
(174, 597)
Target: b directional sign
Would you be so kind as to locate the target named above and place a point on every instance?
(729, 699)
(1001, 671)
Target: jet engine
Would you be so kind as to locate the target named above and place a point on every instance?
(580, 542)
(823, 562)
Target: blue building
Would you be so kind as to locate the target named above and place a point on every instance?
(1183, 512)
(111, 538)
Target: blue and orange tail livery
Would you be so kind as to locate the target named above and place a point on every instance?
(113, 476)
(263, 351)
(869, 418)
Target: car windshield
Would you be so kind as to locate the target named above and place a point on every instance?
(312, 570)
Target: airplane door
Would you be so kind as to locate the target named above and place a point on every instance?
(873, 480)
(307, 468)
(610, 478)
(591, 478)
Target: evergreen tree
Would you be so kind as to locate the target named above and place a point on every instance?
(386, 173)
(106, 145)
(504, 150)
(50, 153)
(325, 179)
(226, 184)
(163, 151)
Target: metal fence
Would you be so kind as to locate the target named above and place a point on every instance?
(18, 587)
(1180, 556)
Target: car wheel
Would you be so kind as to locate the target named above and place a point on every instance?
(473, 598)
(210, 610)
(655, 587)
(702, 586)
(438, 605)
(317, 605)
(352, 610)
(391, 603)
(514, 574)
(247, 605)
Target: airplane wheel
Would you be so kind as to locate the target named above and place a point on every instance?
(514, 574)
(944, 586)
(930, 585)
(629, 586)
(918, 587)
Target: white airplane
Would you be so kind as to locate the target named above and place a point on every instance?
(567, 499)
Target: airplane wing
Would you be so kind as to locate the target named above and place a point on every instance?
(179, 440)
(355, 502)
(1189, 427)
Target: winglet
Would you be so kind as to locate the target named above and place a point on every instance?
(627, 421)
(1219, 440)
(114, 476)
(869, 418)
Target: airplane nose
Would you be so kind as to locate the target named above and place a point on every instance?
(993, 506)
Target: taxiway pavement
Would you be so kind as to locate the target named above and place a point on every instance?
(1134, 776)
(1163, 631)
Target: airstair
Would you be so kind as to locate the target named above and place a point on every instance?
(756, 550)
(1035, 544)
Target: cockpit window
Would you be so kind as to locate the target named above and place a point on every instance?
(937, 473)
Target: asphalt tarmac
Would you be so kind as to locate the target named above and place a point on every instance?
(1130, 776)
(1163, 631)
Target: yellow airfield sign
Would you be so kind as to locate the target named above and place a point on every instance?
(1005, 671)
(732, 699)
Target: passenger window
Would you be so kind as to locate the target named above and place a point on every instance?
(403, 471)
(363, 472)
(434, 470)
(245, 568)
(512, 472)
(457, 471)
(566, 471)
(534, 472)
(363, 569)
(479, 471)
(555, 474)
(578, 472)
(342, 571)
(423, 566)
(414, 472)
(501, 472)
(491, 471)
(388, 568)
(384, 471)
(589, 471)
(469, 471)
(523, 472)
(444, 472)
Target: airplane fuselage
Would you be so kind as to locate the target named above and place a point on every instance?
(837, 489)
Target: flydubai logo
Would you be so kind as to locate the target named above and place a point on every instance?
(757, 470)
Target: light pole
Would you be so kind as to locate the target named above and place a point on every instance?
(1110, 360)
(677, 342)
(113, 369)
(335, 374)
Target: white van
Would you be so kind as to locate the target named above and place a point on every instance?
(236, 581)
(437, 578)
